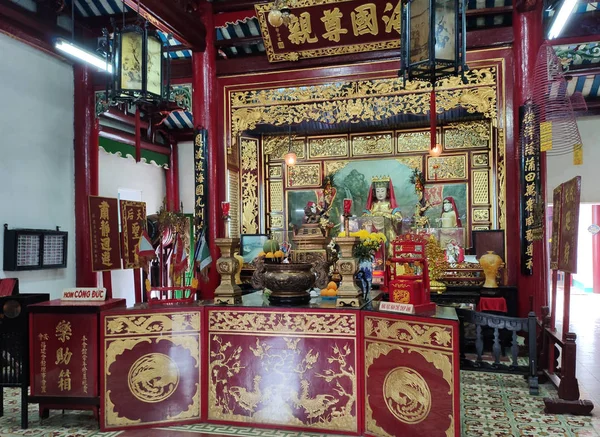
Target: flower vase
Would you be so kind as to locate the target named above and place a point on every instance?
(364, 276)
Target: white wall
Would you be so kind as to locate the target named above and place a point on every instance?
(124, 173)
(187, 184)
(561, 168)
(37, 182)
(585, 265)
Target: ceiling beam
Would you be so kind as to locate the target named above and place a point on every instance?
(574, 40)
(476, 39)
(186, 27)
(238, 41)
(235, 5)
(225, 18)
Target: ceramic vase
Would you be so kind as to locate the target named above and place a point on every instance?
(491, 263)
(364, 276)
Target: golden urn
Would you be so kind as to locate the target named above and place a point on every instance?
(491, 263)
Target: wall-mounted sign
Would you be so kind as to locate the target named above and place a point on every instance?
(104, 233)
(331, 27)
(84, 293)
(569, 225)
(133, 219)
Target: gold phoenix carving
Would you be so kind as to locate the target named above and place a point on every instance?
(143, 379)
(282, 322)
(249, 184)
(379, 144)
(304, 175)
(446, 167)
(407, 395)
(260, 401)
(331, 147)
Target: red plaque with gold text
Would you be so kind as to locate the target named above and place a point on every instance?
(133, 217)
(331, 27)
(555, 243)
(104, 233)
(65, 355)
(411, 376)
(569, 225)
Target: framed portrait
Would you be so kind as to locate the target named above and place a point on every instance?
(484, 241)
(251, 245)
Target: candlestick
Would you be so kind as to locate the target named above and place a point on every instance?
(347, 206)
(225, 206)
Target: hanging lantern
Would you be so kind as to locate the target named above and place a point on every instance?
(141, 70)
(433, 39)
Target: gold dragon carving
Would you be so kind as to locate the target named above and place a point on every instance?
(475, 134)
(282, 322)
(416, 333)
(152, 323)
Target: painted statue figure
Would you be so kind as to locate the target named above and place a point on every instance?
(450, 216)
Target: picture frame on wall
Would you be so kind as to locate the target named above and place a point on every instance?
(489, 240)
(251, 245)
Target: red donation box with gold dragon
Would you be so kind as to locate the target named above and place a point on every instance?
(408, 273)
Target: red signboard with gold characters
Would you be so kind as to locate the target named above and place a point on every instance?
(331, 27)
(104, 233)
(64, 355)
(569, 225)
(133, 218)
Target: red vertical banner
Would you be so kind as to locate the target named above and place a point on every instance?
(133, 218)
(104, 233)
(65, 355)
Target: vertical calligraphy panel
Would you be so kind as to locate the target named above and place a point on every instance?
(104, 233)
(569, 225)
(133, 221)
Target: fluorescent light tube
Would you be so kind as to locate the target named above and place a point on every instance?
(561, 18)
(79, 53)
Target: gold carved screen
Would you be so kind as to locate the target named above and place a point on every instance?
(467, 165)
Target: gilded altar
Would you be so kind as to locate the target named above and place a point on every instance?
(312, 368)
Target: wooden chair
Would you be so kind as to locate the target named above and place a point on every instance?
(499, 325)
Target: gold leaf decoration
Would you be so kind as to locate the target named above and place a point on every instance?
(249, 192)
(331, 147)
(416, 333)
(446, 167)
(413, 141)
(304, 175)
(467, 135)
(481, 187)
(366, 145)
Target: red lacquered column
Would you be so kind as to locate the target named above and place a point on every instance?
(86, 172)
(528, 31)
(204, 80)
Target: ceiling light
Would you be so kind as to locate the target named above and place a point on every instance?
(82, 54)
(561, 18)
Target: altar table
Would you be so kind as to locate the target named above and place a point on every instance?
(315, 368)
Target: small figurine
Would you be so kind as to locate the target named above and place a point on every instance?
(312, 214)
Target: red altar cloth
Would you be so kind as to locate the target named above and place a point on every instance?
(492, 304)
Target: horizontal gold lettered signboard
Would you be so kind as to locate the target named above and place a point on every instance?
(317, 28)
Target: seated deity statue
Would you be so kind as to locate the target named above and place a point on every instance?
(381, 200)
(312, 214)
(450, 217)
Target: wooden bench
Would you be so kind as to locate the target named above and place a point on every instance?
(504, 337)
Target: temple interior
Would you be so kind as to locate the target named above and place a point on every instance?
(299, 218)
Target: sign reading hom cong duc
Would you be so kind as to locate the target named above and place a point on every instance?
(331, 27)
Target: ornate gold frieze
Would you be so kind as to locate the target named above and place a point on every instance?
(330, 147)
(356, 89)
(304, 175)
(481, 187)
(413, 141)
(333, 166)
(371, 145)
(276, 146)
(277, 221)
(449, 167)
(467, 135)
(501, 178)
(275, 171)
(234, 201)
(422, 334)
(233, 157)
(281, 322)
(412, 161)
(481, 215)
(152, 323)
(480, 159)
(249, 192)
(352, 101)
(276, 195)
(481, 227)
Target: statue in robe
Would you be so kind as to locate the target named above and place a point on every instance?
(381, 202)
(450, 217)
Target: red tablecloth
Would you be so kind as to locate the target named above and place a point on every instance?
(492, 304)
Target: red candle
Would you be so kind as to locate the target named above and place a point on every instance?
(225, 206)
(347, 206)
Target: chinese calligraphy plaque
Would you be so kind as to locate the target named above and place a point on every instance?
(104, 233)
(133, 220)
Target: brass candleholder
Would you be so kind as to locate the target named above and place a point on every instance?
(348, 292)
(228, 292)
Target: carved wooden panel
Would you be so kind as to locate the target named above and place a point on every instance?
(378, 144)
(480, 181)
(303, 175)
(234, 201)
(328, 147)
